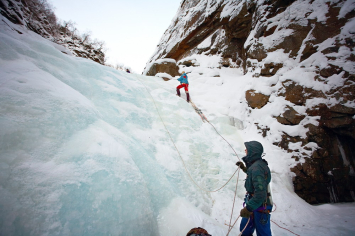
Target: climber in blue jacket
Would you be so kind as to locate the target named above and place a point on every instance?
(184, 83)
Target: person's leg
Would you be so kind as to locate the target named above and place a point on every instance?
(262, 224)
(186, 87)
(249, 229)
(178, 89)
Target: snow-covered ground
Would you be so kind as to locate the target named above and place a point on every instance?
(84, 151)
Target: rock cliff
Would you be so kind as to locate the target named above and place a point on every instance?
(37, 15)
(306, 48)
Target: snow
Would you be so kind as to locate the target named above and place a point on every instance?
(160, 61)
(348, 6)
(205, 43)
(164, 75)
(83, 149)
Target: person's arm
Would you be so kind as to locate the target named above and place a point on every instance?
(242, 166)
(260, 192)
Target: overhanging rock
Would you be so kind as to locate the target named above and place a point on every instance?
(166, 65)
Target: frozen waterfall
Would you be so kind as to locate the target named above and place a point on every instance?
(83, 150)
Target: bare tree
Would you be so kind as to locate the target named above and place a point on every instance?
(99, 45)
(86, 37)
(39, 16)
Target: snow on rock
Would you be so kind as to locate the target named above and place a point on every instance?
(164, 76)
(38, 16)
(291, 67)
(166, 66)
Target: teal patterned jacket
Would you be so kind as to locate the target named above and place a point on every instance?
(258, 176)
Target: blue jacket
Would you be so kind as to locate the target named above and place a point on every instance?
(183, 79)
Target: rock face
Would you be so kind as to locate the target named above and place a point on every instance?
(256, 100)
(290, 117)
(34, 15)
(163, 66)
(307, 46)
(37, 16)
(80, 47)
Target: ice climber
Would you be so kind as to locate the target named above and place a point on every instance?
(257, 201)
(184, 83)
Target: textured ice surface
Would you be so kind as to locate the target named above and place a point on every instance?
(83, 150)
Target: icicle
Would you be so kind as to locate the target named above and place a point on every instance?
(352, 195)
(236, 123)
(345, 159)
(342, 152)
(332, 195)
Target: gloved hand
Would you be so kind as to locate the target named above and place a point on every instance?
(245, 213)
(242, 166)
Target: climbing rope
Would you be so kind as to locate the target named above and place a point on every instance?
(224, 139)
(235, 194)
(204, 118)
(208, 191)
(284, 228)
(241, 232)
(230, 227)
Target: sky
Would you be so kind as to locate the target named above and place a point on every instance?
(131, 29)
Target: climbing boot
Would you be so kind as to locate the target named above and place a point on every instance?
(178, 92)
(187, 96)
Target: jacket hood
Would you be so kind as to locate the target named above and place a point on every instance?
(255, 150)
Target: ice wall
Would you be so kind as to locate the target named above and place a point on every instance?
(84, 151)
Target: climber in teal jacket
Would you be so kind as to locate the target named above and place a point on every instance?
(258, 202)
(184, 83)
(183, 78)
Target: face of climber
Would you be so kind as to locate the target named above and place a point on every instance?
(246, 152)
